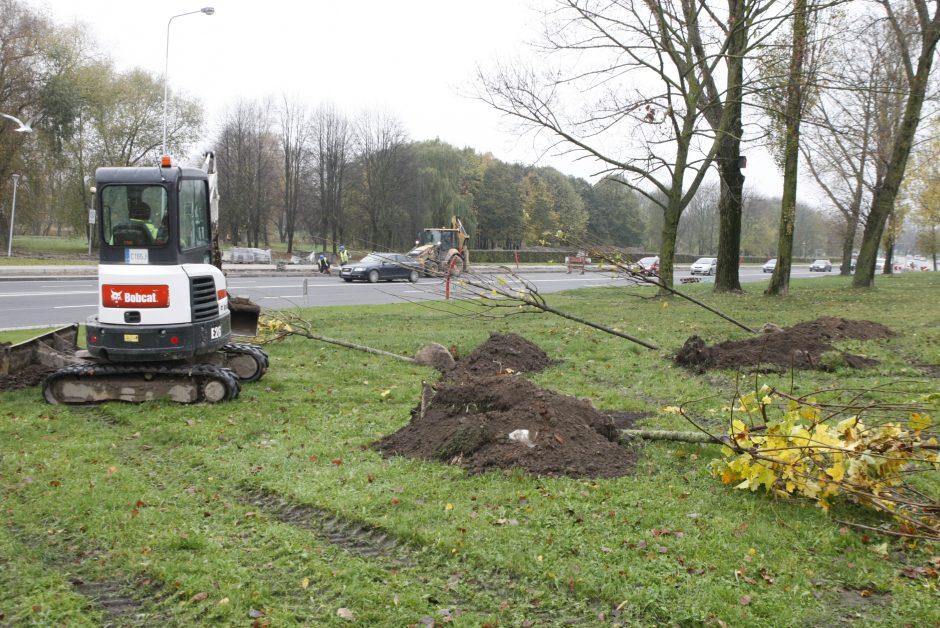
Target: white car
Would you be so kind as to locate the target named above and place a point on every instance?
(705, 266)
(770, 265)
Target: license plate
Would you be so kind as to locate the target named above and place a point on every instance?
(131, 338)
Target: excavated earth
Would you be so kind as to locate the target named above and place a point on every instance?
(800, 347)
(24, 378)
(484, 415)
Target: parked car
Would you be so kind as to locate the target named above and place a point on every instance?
(705, 266)
(770, 265)
(376, 267)
(648, 266)
(821, 266)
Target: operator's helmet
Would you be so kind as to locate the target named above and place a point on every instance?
(342, 248)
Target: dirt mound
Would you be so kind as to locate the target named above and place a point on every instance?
(485, 416)
(24, 378)
(834, 328)
(506, 421)
(499, 353)
(802, 346)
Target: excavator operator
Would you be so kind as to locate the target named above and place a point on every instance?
(139, 213)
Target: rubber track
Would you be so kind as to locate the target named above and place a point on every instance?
(256, 352)
(200, 374)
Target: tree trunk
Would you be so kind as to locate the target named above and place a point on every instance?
(667, 248)
(780, 281)
(729, 219)
(732, 181)
(680, 437)
(848, 243)
(885, 195)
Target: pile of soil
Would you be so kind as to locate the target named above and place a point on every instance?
(484, 415)
(501, 353)
(799, 346)
(24, 378)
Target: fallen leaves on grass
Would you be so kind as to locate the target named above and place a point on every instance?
(345, 613)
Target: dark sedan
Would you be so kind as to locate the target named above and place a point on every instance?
(376, 267)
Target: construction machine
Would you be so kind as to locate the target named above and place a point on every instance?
(442, 251)
(165, 318)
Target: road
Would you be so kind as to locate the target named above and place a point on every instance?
(48, 302)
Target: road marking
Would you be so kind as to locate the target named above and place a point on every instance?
(45, 294)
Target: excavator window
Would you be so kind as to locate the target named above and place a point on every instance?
(194, 214)
(431, 236)
(134, 215)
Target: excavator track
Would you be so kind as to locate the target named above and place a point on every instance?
(248, 361)
(181, 383)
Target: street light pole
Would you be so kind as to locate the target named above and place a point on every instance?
(166, 63)
(92, 218)
(16, 180)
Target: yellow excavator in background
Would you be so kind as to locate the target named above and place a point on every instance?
(439, 251)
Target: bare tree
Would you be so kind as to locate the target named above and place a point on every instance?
(296, 153)
(648, 127)
(917, 47)
(698, 230)
(838, 152)
(380, 141)
(332, 147)
(247, 163)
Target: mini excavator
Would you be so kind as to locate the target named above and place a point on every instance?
(165, 318)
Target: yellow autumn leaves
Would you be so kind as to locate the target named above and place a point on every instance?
(790, 448)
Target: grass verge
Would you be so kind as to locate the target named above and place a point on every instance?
(273, 508)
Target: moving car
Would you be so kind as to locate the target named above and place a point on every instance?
(705, 266)
(648, 266)
(376, 267)
(770, 265)
(821, 265)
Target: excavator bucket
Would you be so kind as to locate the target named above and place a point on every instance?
(244, 316)
(51, 350)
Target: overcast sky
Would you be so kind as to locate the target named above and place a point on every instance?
(416, 59)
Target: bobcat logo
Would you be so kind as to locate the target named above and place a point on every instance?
(117, 296)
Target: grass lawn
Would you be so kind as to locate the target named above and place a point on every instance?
(273, 509)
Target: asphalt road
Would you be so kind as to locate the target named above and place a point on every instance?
(48, 302)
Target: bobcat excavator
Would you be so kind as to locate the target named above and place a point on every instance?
(165, 318)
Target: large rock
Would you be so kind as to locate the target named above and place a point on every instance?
(436, 356)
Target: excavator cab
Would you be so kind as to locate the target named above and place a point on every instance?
(443, 250)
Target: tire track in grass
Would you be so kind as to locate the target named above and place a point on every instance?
(360, 539)
(379, 547)
(367, 541)
(357, 538)
(121, 599)
(122, 602)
